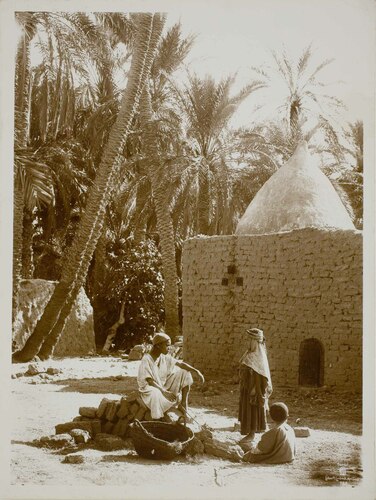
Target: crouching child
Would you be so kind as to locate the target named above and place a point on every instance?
(276, 446)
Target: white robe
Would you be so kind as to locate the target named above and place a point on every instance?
(164, 372)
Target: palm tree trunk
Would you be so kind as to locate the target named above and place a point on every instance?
(22, 92)
(112, 331)
(97, 280)
(21, 132)
(27, 246)
(164, 222)
(203, 209)
(18, 209)
(50, 325)
(142, 196)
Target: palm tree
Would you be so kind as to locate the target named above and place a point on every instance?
(21, 126)
(300, 90)
(208, 108)
(49, 327)
(134, 198)
(156, 175)
(343, 164)
(50, 88)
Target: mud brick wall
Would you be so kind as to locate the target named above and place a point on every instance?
(295, 285)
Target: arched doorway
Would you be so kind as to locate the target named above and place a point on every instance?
(311, 363)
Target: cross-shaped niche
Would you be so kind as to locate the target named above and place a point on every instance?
(231, 277)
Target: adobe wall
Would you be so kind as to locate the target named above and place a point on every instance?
(295, 285)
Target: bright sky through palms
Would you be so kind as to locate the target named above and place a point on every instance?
(234, 36)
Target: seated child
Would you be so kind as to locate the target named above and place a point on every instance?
(276, 446)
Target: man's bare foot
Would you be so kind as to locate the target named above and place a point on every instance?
(166, 418)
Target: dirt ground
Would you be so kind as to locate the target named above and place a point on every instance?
(329, 458)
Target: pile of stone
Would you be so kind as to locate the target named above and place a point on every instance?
(107, 427)
(112, 417)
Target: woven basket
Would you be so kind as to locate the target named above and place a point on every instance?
(160, 440)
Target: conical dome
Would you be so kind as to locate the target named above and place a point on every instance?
(297, 195)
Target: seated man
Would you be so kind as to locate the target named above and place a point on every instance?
(162, 379)
(276, 446)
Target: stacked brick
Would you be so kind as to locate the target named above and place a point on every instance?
(112, 416)
(295, 285)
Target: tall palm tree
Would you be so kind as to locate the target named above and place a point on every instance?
(28, 25)
(208, 108)
(50, 88)
(135, 196)
(49, 327)
(156, 175)
(302, 94)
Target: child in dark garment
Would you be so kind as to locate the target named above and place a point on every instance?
(276, 446)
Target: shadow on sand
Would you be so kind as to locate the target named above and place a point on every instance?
(104, 385)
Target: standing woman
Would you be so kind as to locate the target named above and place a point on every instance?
(255, 386)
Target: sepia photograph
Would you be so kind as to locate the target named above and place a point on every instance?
(187, 227)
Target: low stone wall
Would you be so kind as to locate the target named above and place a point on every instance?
(296, 285)
(77, 338)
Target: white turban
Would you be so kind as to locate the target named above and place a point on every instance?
(256, 333)
(160, 337)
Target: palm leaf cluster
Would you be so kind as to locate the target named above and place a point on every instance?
(303, 95)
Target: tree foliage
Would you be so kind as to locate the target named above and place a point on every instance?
(133, 278)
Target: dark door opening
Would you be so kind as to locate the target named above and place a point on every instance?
(311, 363)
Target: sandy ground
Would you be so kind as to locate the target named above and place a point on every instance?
(38, 405)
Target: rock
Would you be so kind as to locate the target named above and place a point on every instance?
(302, 431)
(88, 411)
(133, 396)
(73, 459)
(102, 408)
(58, 441)
(77, 338)
(96, 426)
(13, 375)
(224, 449)
(136, 353)
(80, 436)
(107, 427)
(106, 442)
(205, 434)
(116, 428)
(195, 447)
(32, 370)
(111, 411)
(123, 408)
(133, 409)
(92, 426)
(53, 371)
(121, 427)
(140, 413)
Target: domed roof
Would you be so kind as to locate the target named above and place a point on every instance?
(297, 195)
